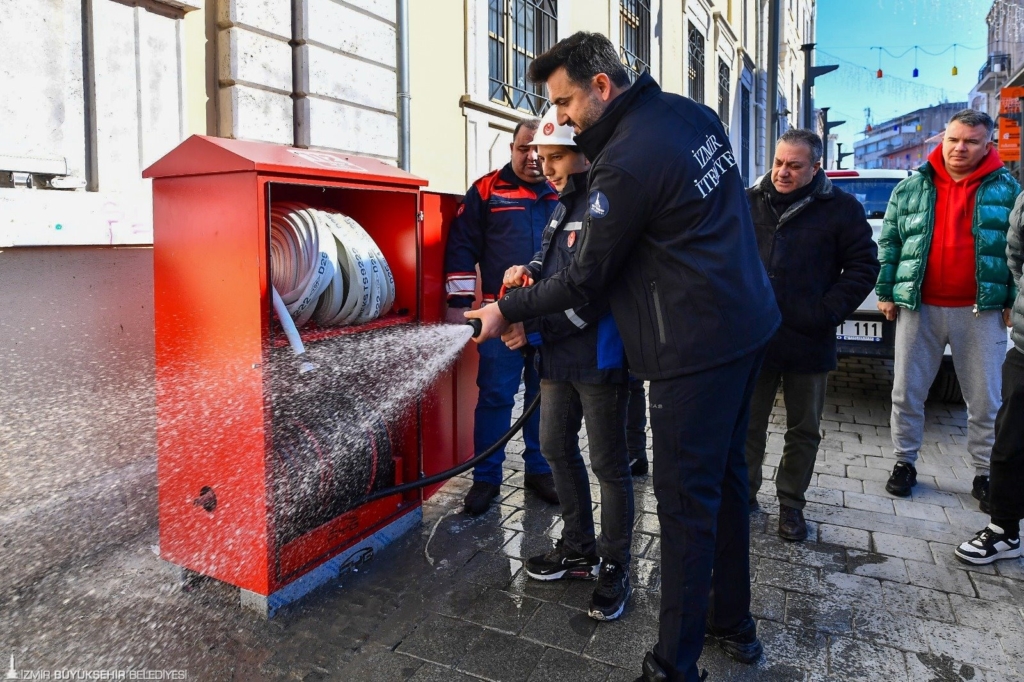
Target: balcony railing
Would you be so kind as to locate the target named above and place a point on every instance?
(995, 63)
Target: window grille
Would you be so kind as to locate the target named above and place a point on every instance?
(696, 68)
(518, 31)
(635, 36)
(723, 93)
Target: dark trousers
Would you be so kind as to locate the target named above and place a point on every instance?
(563, 407)
(1007, 476)
(804, 398)
(636, 421)
(699, 427)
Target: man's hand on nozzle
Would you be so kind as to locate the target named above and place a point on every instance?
(517, 276)
(888, 309)
(455, 315)
(493, 323)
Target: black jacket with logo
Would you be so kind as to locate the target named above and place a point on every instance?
(582, 343)
(822, 263)
(668, 240)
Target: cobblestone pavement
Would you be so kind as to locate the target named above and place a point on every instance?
(874, 594)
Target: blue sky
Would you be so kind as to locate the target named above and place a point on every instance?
(847, 29)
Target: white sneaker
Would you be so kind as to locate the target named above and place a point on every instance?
(990, 544)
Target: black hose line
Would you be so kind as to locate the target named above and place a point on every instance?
(469, 464)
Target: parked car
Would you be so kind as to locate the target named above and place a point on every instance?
(866, 333)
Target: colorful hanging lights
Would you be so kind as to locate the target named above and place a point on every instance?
(916, 72)
(954, 60)
(879, 74)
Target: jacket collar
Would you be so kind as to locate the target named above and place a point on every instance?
(592, 140)
(576, 184)
(823, 190)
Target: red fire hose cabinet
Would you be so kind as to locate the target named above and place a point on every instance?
(225, 453)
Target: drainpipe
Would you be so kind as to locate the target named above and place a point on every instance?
(404, 148)
(774, 38)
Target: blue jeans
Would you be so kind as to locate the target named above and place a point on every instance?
(498, 378)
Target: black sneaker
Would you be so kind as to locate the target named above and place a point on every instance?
(612, 592)
(543, 485)
(979, 491)
(638, 466)
(990, 544)
(654, 672)
(479, 497)
(562, 563)
(740, 644)
(902, 479)
(792, 526)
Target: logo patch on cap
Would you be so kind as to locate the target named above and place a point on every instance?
(549, 128)
(598, 204)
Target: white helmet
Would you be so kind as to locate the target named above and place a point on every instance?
(552, 133)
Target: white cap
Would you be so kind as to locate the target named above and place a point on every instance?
(550, 132)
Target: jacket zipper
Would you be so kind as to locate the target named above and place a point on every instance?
(657, 312)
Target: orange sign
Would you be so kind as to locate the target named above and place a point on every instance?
(1009, 130)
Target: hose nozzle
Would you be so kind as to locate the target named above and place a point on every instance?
(477, 326)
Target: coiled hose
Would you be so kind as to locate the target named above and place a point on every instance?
(465, 466)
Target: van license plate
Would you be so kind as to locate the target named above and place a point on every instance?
(859, 330)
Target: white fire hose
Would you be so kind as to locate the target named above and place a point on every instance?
(324, 266)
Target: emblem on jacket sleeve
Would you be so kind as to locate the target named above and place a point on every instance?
(572, 239)
(598, 204)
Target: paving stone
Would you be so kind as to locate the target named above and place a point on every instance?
(943, 556)
(917, 601)
(929, 666)
(837, 470)
(502, 610)
(846, 537)
(877, 566)
(919, 510)
(997, 588)
(563, 666)
(898, 630)
(877, 488)
(560, 627)
(996, 617)
(847, 459)
(920, 493)
(430, 672)
(971, 646)
(823, 614)
(840, 483)
(622, 642)
(792, 646)
(862, 449)
(871, 503)
(858, 590)
(851, 659)
(939, 578)
(768, 602)
(490, 570)
(867, 473)
(885, 463)
(788, 576)
(441, 639)
(501, 657)
(824, 495)
(901, 546)
(647, 523)
(645, 574)
(966, 519)
(1010, 568)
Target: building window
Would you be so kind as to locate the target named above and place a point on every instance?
(518, 31)
(745, 135)
(723, 93)
(696, 43)
(635, 36)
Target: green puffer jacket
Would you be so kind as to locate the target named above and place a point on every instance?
(907, 237)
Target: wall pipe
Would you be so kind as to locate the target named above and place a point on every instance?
(774, 38)
(404, 145)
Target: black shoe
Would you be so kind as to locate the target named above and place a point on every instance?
(479, 497)
(560, 563)
(754, 505)
(612, 592)
(979, 491)
(654, 672)
(791, 524)
(741, 644)
(902, 479)
(638, 466)
(990, 544)
(544, 486)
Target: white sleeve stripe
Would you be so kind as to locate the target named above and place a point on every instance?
(461, 286)
(468, 294)
(575, 319)
(574, 226)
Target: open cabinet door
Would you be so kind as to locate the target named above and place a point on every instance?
(447, 409)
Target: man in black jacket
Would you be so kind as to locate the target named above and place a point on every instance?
(816, 245)
(668, 240)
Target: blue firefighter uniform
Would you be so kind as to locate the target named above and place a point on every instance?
(500, 224)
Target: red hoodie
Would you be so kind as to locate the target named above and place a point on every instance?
(950, 278)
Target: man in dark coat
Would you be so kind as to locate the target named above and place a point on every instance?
(668, 240)
(816, 245)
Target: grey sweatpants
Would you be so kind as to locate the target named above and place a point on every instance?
(978, 345)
